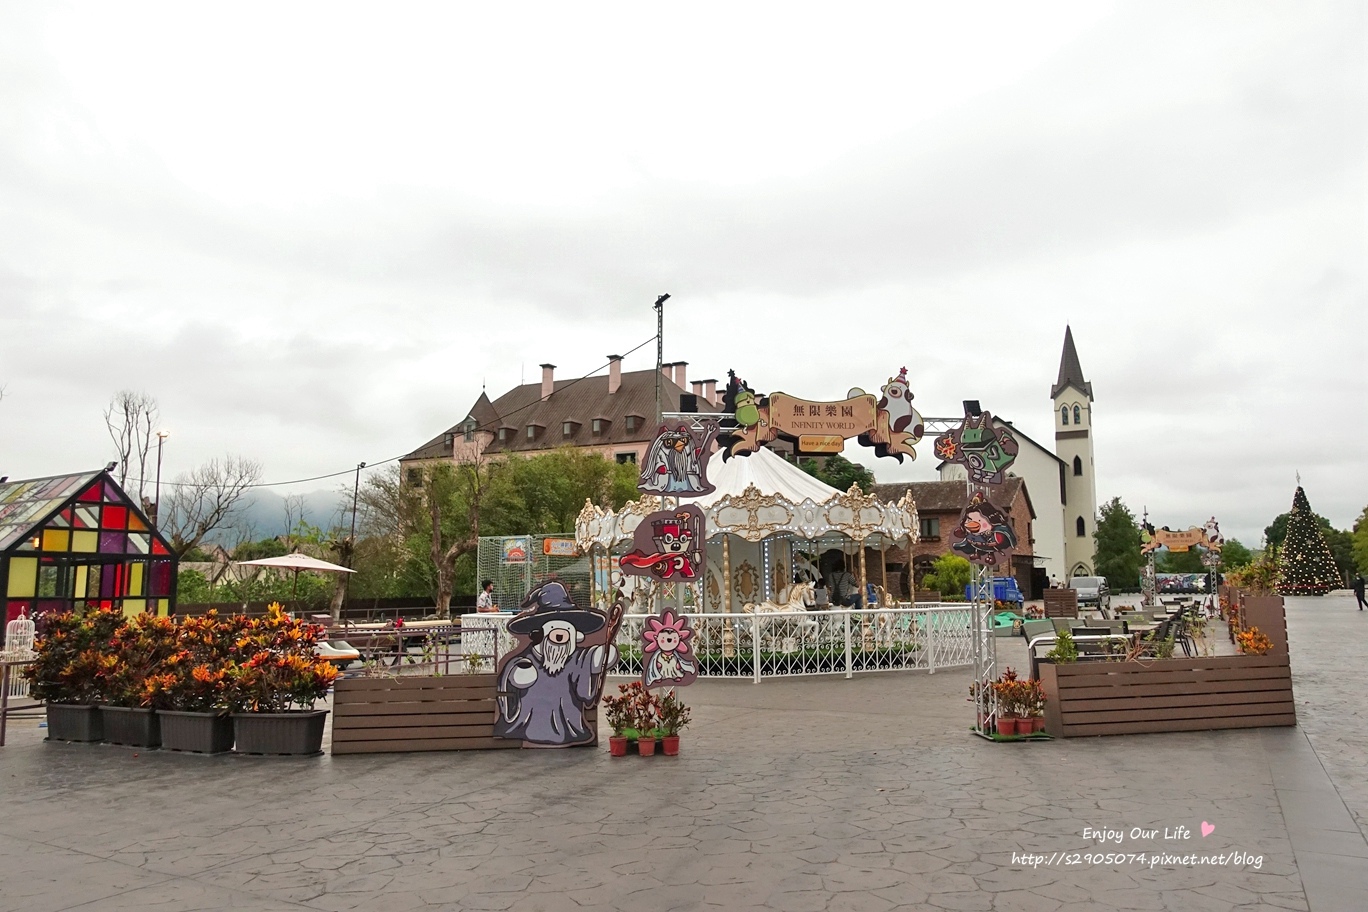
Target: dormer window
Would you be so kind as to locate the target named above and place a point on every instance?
(569, 428)
(531, 432)
(449, 441)
(503, 435)
(597, 425)
(468, 429)
(633, 421)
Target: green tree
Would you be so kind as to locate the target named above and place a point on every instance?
(1235, 555)
(192, 588)
(1189, 561)
(1118, 546)
(949, 575)
(257, 550)
(1306, 565)
(839, 472)
(1361, 542)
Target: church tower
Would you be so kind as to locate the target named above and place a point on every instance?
(1073, 398)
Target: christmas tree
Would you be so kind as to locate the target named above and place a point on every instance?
(1306, 565)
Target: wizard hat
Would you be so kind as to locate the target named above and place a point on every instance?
(550, 602)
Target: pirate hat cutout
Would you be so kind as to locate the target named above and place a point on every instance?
(550, 602)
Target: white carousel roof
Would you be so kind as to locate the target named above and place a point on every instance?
(762, 495)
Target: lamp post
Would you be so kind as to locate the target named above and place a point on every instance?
(156, 512)
(351, 542)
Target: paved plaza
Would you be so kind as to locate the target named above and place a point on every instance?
(797, 796)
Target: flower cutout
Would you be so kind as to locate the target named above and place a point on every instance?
(667, 633)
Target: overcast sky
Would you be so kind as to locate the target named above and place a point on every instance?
(313, 232)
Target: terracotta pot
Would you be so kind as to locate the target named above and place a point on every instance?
(617, 746)
(1037, 723)
(669, 745)
(1006, 725)
(646, 747)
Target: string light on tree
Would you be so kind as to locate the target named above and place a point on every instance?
(1306, 565)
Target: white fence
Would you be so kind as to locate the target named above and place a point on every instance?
(839, 641)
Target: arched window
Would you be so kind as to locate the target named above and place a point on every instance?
(1077, 415)
(1078, 465)
(1064, 413)
(1081, 529)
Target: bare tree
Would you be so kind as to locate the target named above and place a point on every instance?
(131, 418)
(207, 498)
(295, 512)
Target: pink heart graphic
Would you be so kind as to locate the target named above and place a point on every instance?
(1207, 829)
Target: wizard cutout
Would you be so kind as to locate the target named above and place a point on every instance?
(556, 673)
(984, 535)
(676, 462)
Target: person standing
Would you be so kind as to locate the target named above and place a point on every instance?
(484, 602)
(1358, 589)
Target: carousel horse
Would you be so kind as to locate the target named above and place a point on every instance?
(794, 611)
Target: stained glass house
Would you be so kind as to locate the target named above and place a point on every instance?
(76, 540)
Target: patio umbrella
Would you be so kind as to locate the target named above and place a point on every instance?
(296, 562)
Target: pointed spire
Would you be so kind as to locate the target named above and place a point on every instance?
(1070, 371)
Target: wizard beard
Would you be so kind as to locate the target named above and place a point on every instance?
(554, 657)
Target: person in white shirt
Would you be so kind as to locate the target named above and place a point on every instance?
(484, 602)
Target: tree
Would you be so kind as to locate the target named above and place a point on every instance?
(949, 575)
(206, 499)
(1235, 555)
(257, 550)
(1189, 561)
(1361, 542)
(130, 419)
(839, 472)
(1118, 546)
(1306, 566)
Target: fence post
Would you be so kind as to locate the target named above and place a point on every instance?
(755, 646)
(849, 670)
(931, 642)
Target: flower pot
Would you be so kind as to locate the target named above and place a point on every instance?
(646, 747)
(669, 745)
(1006, 725)
(74, 722)
(198, 733)
(617, 746)
(298, 733)
(131, 725)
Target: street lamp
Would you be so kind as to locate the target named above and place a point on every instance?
(156, 510)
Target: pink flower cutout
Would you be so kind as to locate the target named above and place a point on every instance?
(667, 633)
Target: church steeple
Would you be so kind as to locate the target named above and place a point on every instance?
(1070, 371)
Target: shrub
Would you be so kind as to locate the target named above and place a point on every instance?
(70, 665)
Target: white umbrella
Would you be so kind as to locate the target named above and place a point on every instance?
(296, 562)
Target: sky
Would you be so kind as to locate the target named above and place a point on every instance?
(314, 232)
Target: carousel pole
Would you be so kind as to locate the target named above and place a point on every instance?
(727, 633)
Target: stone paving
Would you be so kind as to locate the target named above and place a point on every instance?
(793, 796)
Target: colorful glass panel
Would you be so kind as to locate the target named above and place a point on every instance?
(90, 494)
(111, 493)
(62, 520)
(13, 608)
(29, 544)
(135, 579)
(113, 542)
(85, 542)
(23, 577)
(139, 542)
(114, 517)
(56, 539)
(87, 517)
(133, 606)
(158, 547)
(135, 523)
(161, 578)
(78, 590)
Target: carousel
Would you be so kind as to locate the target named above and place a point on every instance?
(772, 531)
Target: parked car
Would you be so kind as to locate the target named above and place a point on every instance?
(1092, 590)
(1005, 589)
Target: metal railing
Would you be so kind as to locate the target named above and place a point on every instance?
(839, 641)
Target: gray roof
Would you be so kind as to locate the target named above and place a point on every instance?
(949, 496)
(579, 401)
(1070, 371)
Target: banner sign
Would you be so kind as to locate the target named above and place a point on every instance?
(515, 550)
(1209, 537)
(558, 547)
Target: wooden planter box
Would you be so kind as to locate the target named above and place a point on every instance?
(415, 713)
(1169, 695)
(1061, 603)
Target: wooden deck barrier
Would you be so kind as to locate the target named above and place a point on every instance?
(417, 713)
(1121, 698)
(1061, 603)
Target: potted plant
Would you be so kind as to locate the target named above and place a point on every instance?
(274, 682)
(1065, 649)
(1254, 642)
(619, 712)
(195, 683)
(1008, 691)
(673, 716)
(139, 652)
(1035, 704)
(645, 717)
(68, 670)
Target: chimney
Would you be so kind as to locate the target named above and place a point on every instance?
(614, 373)
(710, 391)
(668, 370)
(548, 379)
(697, 386)
(680, 371)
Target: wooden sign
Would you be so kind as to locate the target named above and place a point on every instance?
(668, 545)
(666, 651)
(1208, 536)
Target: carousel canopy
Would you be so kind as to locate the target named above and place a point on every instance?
(762, 495)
